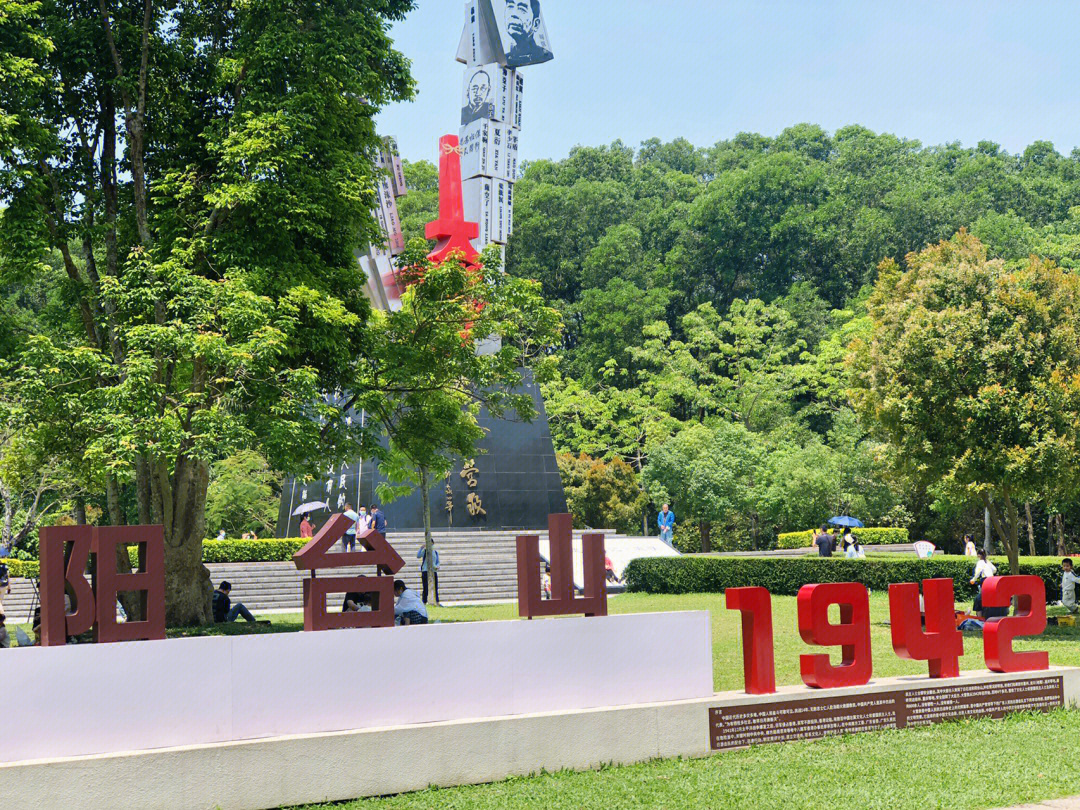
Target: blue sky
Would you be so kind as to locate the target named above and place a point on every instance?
(949, 70)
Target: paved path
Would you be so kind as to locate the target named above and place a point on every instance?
(1072, 803)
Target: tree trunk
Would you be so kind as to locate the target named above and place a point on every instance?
(753, 531)
(80, 512)
(1062, 550)
(1013, 546)
(706, 538)
(187, 581)
(1030, 530)
(429, 543)
(1007, 528)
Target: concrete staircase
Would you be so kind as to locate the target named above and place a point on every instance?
(473, 567)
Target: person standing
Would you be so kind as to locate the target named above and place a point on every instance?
(378, 519)
(306, 529)
(969, 547)
(348, 542)
(1069, 581)
(422, 556)
(666, 521)
(824, 542)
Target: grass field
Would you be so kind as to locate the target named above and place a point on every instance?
(957, 766)
(1062, 643)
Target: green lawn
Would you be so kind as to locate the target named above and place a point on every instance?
(957, 766)
(1062, 643)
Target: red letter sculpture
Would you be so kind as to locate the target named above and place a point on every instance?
(852, 635)
(316, 554)
(64, 552)
(562, 602)
(1030, 620)
(941, 644)
(755, 604)
(148, 581)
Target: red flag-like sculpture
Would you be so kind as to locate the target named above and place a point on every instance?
(450, 229)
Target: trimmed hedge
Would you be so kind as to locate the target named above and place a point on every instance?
(21, 568)
(868, 537)
(234, 551)
(785, 575)
(214, 551)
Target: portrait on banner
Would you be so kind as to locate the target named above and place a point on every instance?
(521, 29)
(479, 101)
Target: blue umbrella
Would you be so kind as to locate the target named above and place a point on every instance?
(845, 520)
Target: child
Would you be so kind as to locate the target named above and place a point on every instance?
(1068, 585)
(545, 583)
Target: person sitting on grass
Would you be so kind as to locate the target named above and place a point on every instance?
(224, 610)
(356, 603)
(1068, 585)
(409, 608)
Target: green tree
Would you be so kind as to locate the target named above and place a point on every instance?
(602, 494)
(705, 473)
(205, 171)
(972, 372)
(463, 339)
(242, 495)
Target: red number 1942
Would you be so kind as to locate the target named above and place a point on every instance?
(938, 643)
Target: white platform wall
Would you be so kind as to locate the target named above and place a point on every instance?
(95, 699)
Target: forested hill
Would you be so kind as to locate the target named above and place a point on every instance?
(722, 284)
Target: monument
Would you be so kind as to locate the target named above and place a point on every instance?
(513, 482)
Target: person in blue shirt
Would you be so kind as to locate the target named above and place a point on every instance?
(422, 556)
(378, 519)
(666, 521)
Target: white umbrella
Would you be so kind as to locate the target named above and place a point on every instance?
(314, 506)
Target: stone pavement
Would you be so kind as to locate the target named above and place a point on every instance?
(1072, 803)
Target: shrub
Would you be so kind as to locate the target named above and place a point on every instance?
(233, 551)
(21, 568)
(785, 575)
(214, 551)
(868, 537)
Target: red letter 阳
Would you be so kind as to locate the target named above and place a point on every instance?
(852, 635)
(1030, 620)
(148, 581)
(64, 551)
(941, 644)
(755, 604)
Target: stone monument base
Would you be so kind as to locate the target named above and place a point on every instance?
(302, 769)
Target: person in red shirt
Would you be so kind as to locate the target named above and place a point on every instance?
(306, 529)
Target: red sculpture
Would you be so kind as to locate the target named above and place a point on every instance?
(450, 229)
(1030, 620)
(852, 635)
(64, 554)
(562, 602)
(759, 670)
(316, 554)
(941, 644)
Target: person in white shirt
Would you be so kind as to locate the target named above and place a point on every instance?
(969, 546)
(1069, 581)
(855, 551)
(409, 609)
(348, 542)
(984, 569)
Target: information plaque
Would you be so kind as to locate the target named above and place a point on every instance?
(811, 718)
